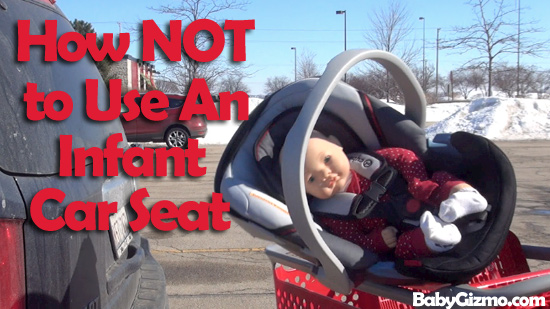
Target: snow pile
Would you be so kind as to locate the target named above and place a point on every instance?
(494, 118)
(220, 132)
(438, 112)
(499, 119)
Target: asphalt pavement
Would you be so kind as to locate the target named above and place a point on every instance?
(228, 269)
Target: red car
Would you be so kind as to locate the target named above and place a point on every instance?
(172, 131)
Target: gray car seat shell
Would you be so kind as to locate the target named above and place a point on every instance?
(288, 220)
(240, 185)
(244, 187)
(296, 143)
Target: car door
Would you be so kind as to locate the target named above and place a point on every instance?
(63, 268)
(128, 126)
(146, 129)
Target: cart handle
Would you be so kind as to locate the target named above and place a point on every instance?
(333, 273)
(536, 252)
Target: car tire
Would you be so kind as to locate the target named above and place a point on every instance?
(177, 137)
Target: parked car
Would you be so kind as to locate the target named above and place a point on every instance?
(64, 268)
(172, 131)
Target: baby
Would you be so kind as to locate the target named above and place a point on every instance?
(328, 172)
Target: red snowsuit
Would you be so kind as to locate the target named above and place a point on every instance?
(366, 232)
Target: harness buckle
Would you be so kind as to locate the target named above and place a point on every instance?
(375, 191)
(364, 203)
(362, 206)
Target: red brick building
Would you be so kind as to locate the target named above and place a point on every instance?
(134, 73)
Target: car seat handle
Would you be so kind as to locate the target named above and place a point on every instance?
(333, 273)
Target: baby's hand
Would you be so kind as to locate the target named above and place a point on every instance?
(459, 187)
(389, 236)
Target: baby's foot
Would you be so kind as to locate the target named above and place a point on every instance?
(462, 203)
(439, 236)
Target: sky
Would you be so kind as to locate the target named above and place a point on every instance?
(496, 118)
(314, 27)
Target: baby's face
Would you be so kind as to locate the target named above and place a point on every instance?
(326, 168)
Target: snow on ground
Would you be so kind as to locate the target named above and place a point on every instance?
(438, 112)
(494, 118)
(499, 119)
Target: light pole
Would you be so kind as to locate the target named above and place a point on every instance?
(517, 76)
(423, 52)
(345, 33)
(437, 65)
(295, 72)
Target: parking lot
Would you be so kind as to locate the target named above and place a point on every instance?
(209, 269)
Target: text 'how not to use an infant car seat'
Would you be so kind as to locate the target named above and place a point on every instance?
(269, 200)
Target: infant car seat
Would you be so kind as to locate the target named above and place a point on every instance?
(268, 199)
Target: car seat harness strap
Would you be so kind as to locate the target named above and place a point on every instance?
(381, 175)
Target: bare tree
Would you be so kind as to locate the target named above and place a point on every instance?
(376, 81)
(494, 33)
(505, 79)
(362, 82)
(390, 30)
(477, 77)
(166, 85)
(461, 82)
(429, 76)
(527, 76)
(233, 83)
(188, 69)
(275, 83)
(444, 86)
(184, 72)
(466, 80)
(306, 65)
(541, 84)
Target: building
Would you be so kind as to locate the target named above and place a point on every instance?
(135, 74)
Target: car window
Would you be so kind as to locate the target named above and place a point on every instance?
(154, 101)
(32, 147)
(215, 98)
(124, 108)
(174, 103)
